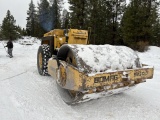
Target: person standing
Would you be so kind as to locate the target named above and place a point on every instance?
(10, 47)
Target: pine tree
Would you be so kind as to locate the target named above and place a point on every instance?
(155, 39)
(116, 8)
(19, 31)
(38, 31)
(156, 33)
(24, 32)
(97, 20)
(0, 32)
(54, 12)
(137, 23)
(104, 18)
(65, 19)
(30, 26)
(79, 13)
(8, 26)
(44, 15)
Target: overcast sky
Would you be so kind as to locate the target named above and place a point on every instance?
(18, 9)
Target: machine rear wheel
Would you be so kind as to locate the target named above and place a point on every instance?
(43, 56)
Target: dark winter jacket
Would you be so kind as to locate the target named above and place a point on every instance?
(9, 44)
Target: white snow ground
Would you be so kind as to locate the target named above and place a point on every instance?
(25, 95)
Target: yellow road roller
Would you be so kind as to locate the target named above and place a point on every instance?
(83, 71)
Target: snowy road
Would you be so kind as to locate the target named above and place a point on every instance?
(25, 95)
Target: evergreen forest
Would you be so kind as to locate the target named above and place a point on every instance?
(135, 24)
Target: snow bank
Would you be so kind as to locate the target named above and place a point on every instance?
(104, 58)
(154, 49)
(28, 40)
(151, 53)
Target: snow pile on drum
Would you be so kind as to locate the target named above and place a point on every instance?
(104, 58)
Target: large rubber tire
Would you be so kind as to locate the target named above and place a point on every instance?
(43, 56)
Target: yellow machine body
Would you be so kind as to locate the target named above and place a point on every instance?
(75, 36)
(59, 38)
(70, 78)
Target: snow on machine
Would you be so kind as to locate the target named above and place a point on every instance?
(83, 72)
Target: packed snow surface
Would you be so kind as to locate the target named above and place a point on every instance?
(25, 95)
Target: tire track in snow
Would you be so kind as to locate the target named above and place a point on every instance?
(16, 75)
(13, 76)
